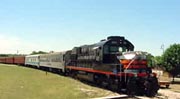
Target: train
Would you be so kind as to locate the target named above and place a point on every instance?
(111, 63)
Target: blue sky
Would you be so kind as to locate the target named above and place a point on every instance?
(59, 25)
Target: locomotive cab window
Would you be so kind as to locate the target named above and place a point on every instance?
(111, 52)
(116, 49)
(113, 49)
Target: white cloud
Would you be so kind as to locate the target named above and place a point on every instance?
(12, 45)
(8, 43)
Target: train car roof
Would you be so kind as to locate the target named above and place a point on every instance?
(55, 53)
(36, 55)
(104, 41)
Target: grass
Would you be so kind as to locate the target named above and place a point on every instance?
(17, 82)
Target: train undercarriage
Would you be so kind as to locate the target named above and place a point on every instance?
(129, 84)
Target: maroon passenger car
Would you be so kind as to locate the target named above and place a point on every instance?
(19, 60)
(2, 59)
(9, 60)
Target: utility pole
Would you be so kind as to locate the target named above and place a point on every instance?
(17, 52)
(162, 47)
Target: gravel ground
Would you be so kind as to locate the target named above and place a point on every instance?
(168, 94)
(173, 92)
(162, 94)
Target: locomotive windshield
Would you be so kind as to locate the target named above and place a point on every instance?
(114, 49)
(111, 52)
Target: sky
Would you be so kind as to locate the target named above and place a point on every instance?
(60, 25)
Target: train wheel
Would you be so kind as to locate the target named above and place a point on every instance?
(152, 87)
(167, 86)
(97, 80)
(131, 87)
(73, 74)
(113, 85)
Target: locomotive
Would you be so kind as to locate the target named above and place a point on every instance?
(111, 63)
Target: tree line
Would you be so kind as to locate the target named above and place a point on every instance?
(32, 53)
(169, 60)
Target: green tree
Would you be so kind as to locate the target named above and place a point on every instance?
(150, 59)
(3, 55)
(39, 52)
(171, 59)
(158, 60)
